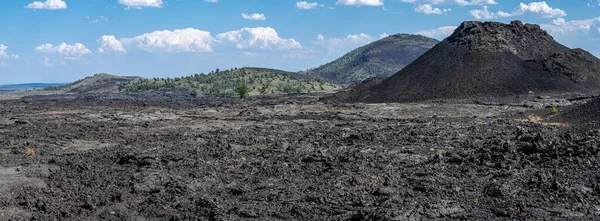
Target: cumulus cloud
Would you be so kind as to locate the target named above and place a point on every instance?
(360, 2)
(4, 54)
(359, 38)
(535, 8)
(540, 8)
(48, 5)
(3, 64)
(320, 37)
(108, 43)
(259, 37)
(560, 26)
(352, 40)
(74, 51)
(194, 40)
(428, 9)
(138, 4)
(255, 16)
(383, 35)
(451, 2)
(178, 40)
(438, 33)
(212, 1)
(486, 14)
(306, 5)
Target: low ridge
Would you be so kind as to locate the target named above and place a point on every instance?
(381, 58)
(98, 83)
(491, 60)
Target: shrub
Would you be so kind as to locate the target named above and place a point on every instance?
(29, 151)
(554, 110)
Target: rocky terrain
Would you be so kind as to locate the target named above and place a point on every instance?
(488, 60)
(117, 157)
(583, 116)
(507, 127)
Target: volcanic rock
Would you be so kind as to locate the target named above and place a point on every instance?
(487, 60)
(585, 116)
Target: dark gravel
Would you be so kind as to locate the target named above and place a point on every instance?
(242, 160)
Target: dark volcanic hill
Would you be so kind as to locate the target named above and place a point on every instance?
(381, 58)
(491, 60)
(585, 116)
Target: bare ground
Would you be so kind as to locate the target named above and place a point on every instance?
(290, 158)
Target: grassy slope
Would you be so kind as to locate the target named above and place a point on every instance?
(381, 58)
(223, 83)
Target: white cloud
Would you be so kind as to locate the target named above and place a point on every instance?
(101, 18)
(451, 2)
(540, 8)
(438, 33)
(108, 43)
(178, 40)
(3, 64)
(74, 51)
(138, 4)
(259, 37)
(212, 1)
(360, 2)
(255, 16)
(4, 54)
(334, 44)
(47, 62)
(306, 5)
(48, 5)
(320, 37)
(560, 26)
(428, 9)
(360, 38)
(537, 8)
(383, 35)
(486, 14)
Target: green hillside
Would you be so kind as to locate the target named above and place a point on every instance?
(224, 83)
(381, 58)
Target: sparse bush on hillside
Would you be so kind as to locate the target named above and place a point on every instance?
(223, 83)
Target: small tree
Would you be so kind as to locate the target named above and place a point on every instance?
(242, 91)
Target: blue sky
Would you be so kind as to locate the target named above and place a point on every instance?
(65, 40)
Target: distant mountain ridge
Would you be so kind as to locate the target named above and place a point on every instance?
(16, 87)
(381, 58)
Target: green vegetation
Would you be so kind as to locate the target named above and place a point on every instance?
(242, 91)
(381, 58)
(227, 83)
(554, 110)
